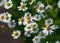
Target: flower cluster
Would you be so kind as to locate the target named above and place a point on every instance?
(6, 18)
(30, 21)
(30, 25)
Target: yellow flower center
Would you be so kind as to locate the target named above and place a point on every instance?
(28, 32)
(36, 39)
(22, 19)
(48, 21)
(36, 16)
(28, 27)
(33, 25)
(42, 34)
(28, 20)
(27, 16)
(22, 6)
(33, 29)
(1, 17)
(15, 33)
(6, 17)
(47, 27)
(40, 7)
(7, 3)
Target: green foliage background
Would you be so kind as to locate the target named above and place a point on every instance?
(54, 14)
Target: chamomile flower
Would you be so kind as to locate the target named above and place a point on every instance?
(49, 21)
(34, 30)
(7, 17)
(27, 33)
(49, 8)
(34, 24)
(22, 6)
(28, 21)
(36, 39)
(2, 17)
(2, 2)
(21, 21)
(58, 4)
(48, 30)
(40, 7)
(8, 4)
(37, 17)
(27, 16)
(12, 23)
(42, 35)
(28, 27)
(16, 34)
(32, 1)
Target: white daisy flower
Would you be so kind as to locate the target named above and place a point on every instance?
(8, 4)
(27, 33)
(12, 23)
(34, 30)
(49, 8)
(40, 7)
(28, 27)
(58, 4)
(24, 0)
(22, 6)
(48, 30)
(32, 1)
(27, 16)
(57, 41)
(49, 21)
(16, 34)
(34, 24)
(7, 17)
(37, 17)
(2, 17)
(2, 2)
(42, 35)
(36, 39)
(28, 21)
(21, 21)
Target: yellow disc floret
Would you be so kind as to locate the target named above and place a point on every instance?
(36, 16)
(36, 40)
(40, 7)
(22, 19)
(28, 20)
(42, 34)
(15, 33)
(47, 27)
(6, 17)
(7, 3)
(1, 17)
(22, 6)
